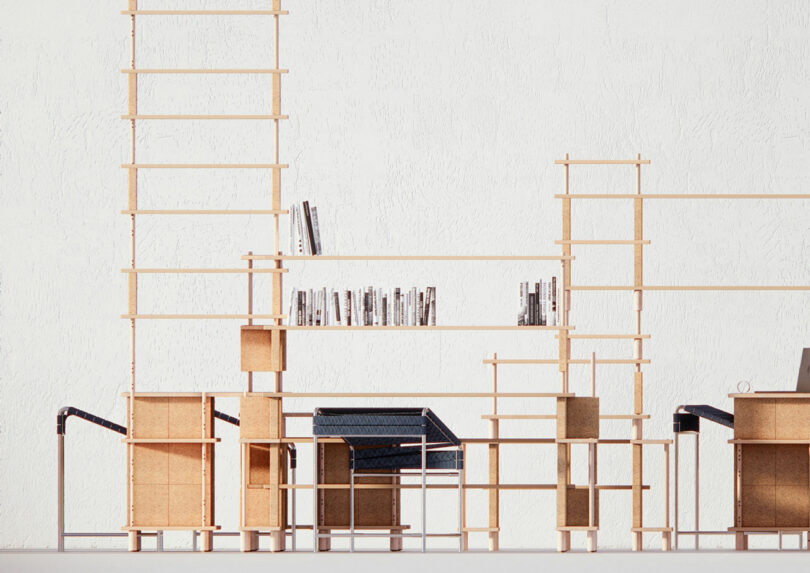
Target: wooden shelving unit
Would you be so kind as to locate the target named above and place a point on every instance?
(264, 440)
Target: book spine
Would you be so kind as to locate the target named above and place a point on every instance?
(520, 321)
(528, 307)
(357, 297)
(293, 314)
(426, 309)
(402, 310)
(396, 307)
(301, 295)
(316, 232)
(309, 231)
(385, 310)
(414, 306)
(325, 306)
(420, 311)
(348, 308)
(336, 302)
(299, 229)
(555, 318)
(538, 311)
(432, 306)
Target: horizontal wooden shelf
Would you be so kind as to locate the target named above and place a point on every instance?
(393, 328)
(608, 336)
(577, 440)
(578, 528)
(171, 440)
(201, 271)
(651, 529)
(554, 416)
(138, 71)
(691, 287)
(203, 316)
(204, 12)
(452, 486)
(604, 242)
(204, 212)
(224, 116)
(601, 161)
(769, 441)
(413, 395)
(556, 361)
(683, 196)
(357, 395)
(406, 258)
(518, 416)
(786, 394)
(513, 441)
(480, 529)
(204, 166)
(171, 528)
(651, 442)
(774, 529)
(480, 486)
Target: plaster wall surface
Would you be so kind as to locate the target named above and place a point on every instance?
(415, 127)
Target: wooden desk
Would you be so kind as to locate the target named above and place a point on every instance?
(771, 463)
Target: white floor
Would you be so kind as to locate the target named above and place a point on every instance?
(503, 562)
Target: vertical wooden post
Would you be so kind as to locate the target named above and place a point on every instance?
(465, 537)
(666, 536)
(250, 310)
(638, 281)
(132, 283)
(565, 342)
(494, 464)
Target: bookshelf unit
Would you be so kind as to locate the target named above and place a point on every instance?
(264, 440)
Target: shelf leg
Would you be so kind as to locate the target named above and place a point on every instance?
(134, 540)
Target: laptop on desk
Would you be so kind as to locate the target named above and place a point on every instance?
(803, 383)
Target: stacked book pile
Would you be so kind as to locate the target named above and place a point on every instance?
(305, 234)
(538, 303)
(370, 307)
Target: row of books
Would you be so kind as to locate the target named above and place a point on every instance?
(370, 307)
(538, 303)
(305, 234)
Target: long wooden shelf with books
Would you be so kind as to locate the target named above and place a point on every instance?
(391, 328)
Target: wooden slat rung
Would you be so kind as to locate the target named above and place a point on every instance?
(203, 271)
(225, 116)
(692, 287)
(202, 316)
(204, 166)
(683, 196)
(204, 212)
(601, 161)
(603, 242)
(204, 71)
(204, 12)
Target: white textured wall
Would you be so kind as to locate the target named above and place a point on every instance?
(416, 127)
